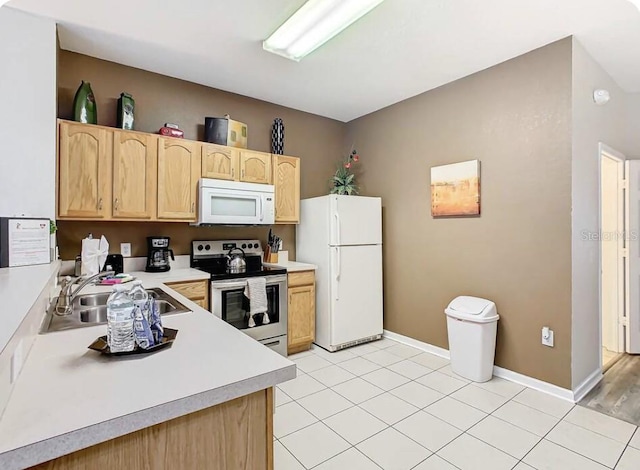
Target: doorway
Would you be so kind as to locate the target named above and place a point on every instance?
(612, 251)
(618, 393)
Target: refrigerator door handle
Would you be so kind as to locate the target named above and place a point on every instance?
(336, 280)
(337, 215)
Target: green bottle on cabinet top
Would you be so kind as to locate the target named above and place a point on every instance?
(84, 105)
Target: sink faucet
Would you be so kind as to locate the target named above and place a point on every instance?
(67, 294)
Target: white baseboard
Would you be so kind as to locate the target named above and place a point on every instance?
(426, 347)
(587, 385)
(521, 379)
(536, 384)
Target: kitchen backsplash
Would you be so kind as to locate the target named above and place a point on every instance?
(70, 234)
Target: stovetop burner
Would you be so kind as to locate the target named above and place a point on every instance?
(210, 256)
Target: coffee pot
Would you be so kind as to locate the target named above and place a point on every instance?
(158, 253)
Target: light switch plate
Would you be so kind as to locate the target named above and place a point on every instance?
(125, 250)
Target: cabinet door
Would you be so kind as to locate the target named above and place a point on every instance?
(301, 320)
(178, 173)
(219, 162)
(286, 179)
(134, 175)
(196, 291)
(255, 167)
(84, 169)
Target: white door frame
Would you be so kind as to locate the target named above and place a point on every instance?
(610, 153)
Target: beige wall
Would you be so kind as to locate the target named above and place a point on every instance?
(591, 125)
(516, 119)
(318, 141)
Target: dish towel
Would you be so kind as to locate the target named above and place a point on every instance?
(256, 292)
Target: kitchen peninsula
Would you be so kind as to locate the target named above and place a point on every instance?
(205, 402)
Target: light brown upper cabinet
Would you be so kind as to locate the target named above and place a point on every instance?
(255, 167)
(113, 174)
(84, 171)
(219, 162)
(134, 175)
(286, 179)
(179, 168)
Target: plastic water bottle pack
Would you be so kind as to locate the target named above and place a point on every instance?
(133, 319)
(141, 315)
(120, 335)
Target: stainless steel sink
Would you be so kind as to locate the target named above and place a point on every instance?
(98, 300)
(98, 314)
(91, 309)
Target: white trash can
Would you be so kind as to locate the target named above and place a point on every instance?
(471, 325)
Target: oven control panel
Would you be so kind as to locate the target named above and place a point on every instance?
(204, 248)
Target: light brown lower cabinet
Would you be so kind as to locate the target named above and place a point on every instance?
(301, 311)
(236, 435)
(196, 291)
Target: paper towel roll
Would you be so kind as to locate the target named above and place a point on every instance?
(94, 254)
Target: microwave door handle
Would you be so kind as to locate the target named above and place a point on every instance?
(261, 209)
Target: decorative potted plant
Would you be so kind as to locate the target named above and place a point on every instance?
(343, 182)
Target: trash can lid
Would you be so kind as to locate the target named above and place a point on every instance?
(470, 308)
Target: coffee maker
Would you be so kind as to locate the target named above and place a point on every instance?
(158, 252)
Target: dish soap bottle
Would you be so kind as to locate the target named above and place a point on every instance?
(120, 334)
(84, 105)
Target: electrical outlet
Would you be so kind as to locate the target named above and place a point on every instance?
(280, 246)
(16, 362)
(547, 336)
(125, 250)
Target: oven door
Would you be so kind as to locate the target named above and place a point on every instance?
(229, 303)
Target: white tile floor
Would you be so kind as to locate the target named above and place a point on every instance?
(388, 406)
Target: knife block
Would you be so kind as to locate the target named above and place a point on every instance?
(270, 257)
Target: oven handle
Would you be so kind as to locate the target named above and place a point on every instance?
(228, 285)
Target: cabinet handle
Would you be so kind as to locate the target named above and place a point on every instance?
(233, 172)
(100, 204)
(243, 173)
(116, 204)
(193, 207)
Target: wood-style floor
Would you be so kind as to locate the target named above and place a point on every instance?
(618, 394)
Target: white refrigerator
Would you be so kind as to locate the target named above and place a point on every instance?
(342, 235)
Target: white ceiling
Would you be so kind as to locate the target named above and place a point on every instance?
(401, 49)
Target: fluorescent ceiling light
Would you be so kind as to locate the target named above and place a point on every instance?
(315, 23)
(636, 3)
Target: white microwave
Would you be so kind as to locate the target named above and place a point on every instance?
(234, 203)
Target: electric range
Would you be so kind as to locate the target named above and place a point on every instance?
(228, 301)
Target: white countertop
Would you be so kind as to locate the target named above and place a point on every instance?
(69, 397)
(174, 275)
(293, 266)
